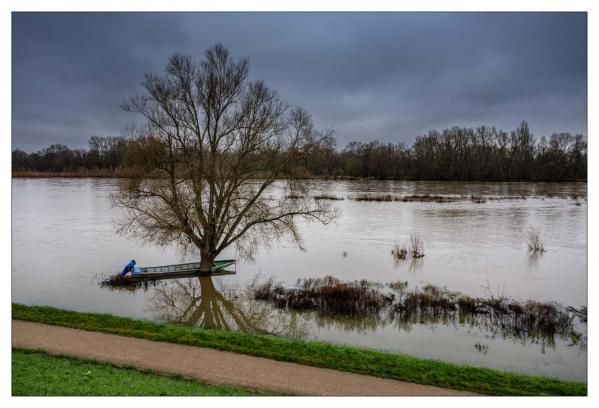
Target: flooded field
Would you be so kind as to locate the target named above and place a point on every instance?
(474, 242)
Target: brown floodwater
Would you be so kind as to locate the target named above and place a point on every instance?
(64, 242)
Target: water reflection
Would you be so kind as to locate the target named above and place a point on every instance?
(413, 264)
(197, 302)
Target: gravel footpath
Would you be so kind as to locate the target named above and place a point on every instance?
(209, 365)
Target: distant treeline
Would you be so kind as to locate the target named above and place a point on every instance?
(477, 154)
(104, 157)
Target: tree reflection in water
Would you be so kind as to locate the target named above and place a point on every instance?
(198, 302)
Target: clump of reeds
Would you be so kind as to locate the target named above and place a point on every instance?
(126, 284)
(535, 241)
(426, 198)
(371, 197)
(416, 246)
(467, 304)
(398, 286)
(478, 199)
(328, 295)
(328, 197)
(502, 198)
(511, 316)
(332, 297)
(481, 348)
(269, 290)
(400, 251)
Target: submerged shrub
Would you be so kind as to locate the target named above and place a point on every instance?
(478, 199)
(534, 241)
(398, 286)
(467, 304)
(371, 197)
(416, 246)
(329, 295)
(400, 251)
(425, 198)
(327, 197)
(363, 299)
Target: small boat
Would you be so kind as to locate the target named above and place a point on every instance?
(183, 270)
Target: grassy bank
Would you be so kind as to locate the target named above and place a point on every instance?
(344, 358)
(36, 373)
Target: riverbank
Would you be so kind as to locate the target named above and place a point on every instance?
(312, 353)
(120, 174)
(210, 366)
(37, 373)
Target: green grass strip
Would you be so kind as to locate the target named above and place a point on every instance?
(36, 373)
(313, 353)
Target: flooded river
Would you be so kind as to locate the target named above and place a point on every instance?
(64, 242)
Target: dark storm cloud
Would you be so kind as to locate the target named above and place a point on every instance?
(385, 76)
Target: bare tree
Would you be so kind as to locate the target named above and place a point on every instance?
(201, 171)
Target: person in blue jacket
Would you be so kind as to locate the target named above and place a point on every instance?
(128, 268)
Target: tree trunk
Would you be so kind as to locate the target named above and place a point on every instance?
(206, 260)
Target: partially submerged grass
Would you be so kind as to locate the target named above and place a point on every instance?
(478, 199)
(126, 284)
(37, 373)
(423, 198)
(319, 354)
(328, 197)
(497, 313)
(427, 198)
(329, 295)
(416, 246)
(481, 348)
(400, 251)
(373, 197)
(535, 241)
(437, 198)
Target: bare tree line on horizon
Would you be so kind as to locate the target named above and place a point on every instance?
(462, 154)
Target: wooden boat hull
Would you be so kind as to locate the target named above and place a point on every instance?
(178, 275)
(183, 270)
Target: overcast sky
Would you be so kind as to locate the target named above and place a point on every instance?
(370, 76)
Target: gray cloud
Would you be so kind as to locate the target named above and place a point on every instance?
(389, 76)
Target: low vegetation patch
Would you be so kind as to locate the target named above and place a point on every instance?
(427, 198)
(535, 241)
(373, 197)
(328, 197)
(36, 373)
(319, 354)
(126, 284)
(416, 246)
(329, 295)
(400, 252)
(509, 317)
(478, 199)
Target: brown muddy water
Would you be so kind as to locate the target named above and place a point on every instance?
(64, 242)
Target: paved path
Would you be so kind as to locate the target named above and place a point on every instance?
(209, 365)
